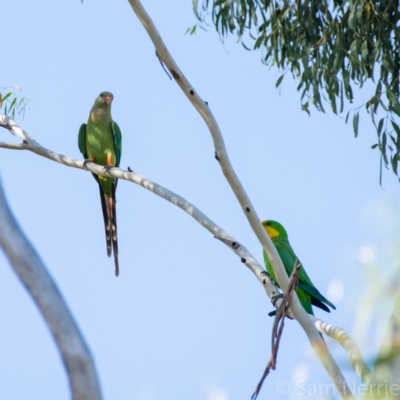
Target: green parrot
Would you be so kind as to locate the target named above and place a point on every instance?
(308, 294)
(99, 141)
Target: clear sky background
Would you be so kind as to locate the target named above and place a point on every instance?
(185, 319)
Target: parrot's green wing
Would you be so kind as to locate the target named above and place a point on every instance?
(100, 142)
(317, 299)
(82, 140)
(117, 141)
(318, 303)
(289, 258)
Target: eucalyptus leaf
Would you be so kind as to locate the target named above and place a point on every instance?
(356, 119)
(328, 46)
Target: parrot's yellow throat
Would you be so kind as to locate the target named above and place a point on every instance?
(272, 232)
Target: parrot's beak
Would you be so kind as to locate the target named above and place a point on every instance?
(107, 99)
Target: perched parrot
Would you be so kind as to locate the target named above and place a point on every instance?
(308, 294)
(100, 142)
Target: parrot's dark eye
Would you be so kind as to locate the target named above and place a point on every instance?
(268, 223)
(101, 94)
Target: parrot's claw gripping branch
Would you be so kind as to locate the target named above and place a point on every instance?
(276, 298)
(107, 168)
(86, 162)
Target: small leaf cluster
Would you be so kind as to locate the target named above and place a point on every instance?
(12, 102)
(328, 46)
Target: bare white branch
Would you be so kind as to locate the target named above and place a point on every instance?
(33, 274)
(221, 154)
(13, 146)
(330, 330)
(352, 350)
(239, 249)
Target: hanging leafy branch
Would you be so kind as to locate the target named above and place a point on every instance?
(328, 46)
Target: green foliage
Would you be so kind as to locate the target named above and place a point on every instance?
(329, 47)
(12, 102)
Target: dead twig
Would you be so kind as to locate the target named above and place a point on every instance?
(279, 323)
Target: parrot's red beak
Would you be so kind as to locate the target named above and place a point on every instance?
(107, 99)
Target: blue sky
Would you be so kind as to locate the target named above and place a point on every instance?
(185, 319)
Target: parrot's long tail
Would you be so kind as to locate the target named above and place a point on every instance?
(108, 204)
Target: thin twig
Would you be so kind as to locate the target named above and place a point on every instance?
(277, 328)
(163, 66)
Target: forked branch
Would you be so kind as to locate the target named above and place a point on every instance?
(240, 250)
(222, 156)
(245, 256)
